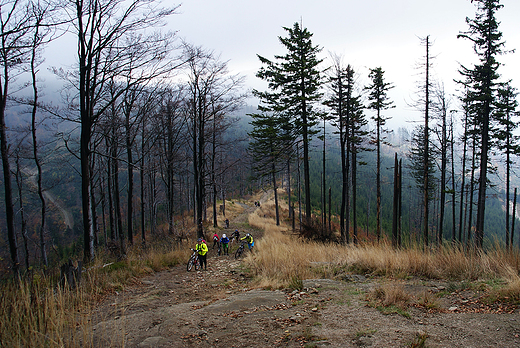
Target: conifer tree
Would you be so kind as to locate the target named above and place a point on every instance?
(294, 81)
(379, 101)
(358, 143)
(482, 81)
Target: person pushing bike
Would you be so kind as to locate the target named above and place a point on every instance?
(249, 239)
(202, 249)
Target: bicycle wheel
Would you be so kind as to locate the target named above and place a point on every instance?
(190, 264)
(239, 252)
(197, 263)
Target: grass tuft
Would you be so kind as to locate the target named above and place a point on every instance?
(419, 340)
(389, 299)
(428, 300)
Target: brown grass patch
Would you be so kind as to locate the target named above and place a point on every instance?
(35, 312)
(281, 257)
(390, 294)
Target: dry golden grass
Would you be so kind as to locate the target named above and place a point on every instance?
(35, 312)
(281, 258)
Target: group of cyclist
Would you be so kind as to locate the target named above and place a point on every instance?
(224, 241)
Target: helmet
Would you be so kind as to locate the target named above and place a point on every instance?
(224, 235)
(248, 235)
(199, 240)
(236, 230)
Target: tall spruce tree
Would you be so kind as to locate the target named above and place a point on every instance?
(379, 101)
(348, 117)
(482, 81)
(294, 81)
(358, 143)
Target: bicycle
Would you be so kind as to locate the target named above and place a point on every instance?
(193, 261)
(240, 250)
(219, 249)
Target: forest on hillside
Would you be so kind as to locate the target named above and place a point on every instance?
(150, 132)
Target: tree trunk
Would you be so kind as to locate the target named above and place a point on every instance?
(110, 194)
(130, 191)
(444, 151)
(141, 177)
(324, 185)
(88, 233)
(19, 182)
(117, 204)
(213, 169)
(299, 189)
(93, 212)
(344, 185)
(354, 195)
(275, 188)
(378, 179)
(36, 158)
(306, 175)
(330, 211)
(426, 144)
(453, 186)
(508, 167)
(400, 212)
(396, 202)
(471, 192)
(463, 179)
(103, 209)
(484, 153)
(514, 219)
(291, 211)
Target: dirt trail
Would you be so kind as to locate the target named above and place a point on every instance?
(218, 308)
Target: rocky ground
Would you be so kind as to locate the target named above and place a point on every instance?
(219, 308)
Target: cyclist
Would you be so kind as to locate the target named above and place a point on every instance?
(202, 249)
(249, 239)
(227, 223)
(225, 246)
(215, 240)
(236, 235)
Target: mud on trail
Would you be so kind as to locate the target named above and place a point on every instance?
(219, 308)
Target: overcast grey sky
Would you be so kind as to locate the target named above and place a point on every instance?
(367, 33)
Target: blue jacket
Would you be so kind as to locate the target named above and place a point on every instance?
(224, 240)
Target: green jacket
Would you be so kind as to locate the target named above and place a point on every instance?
(201, 248)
